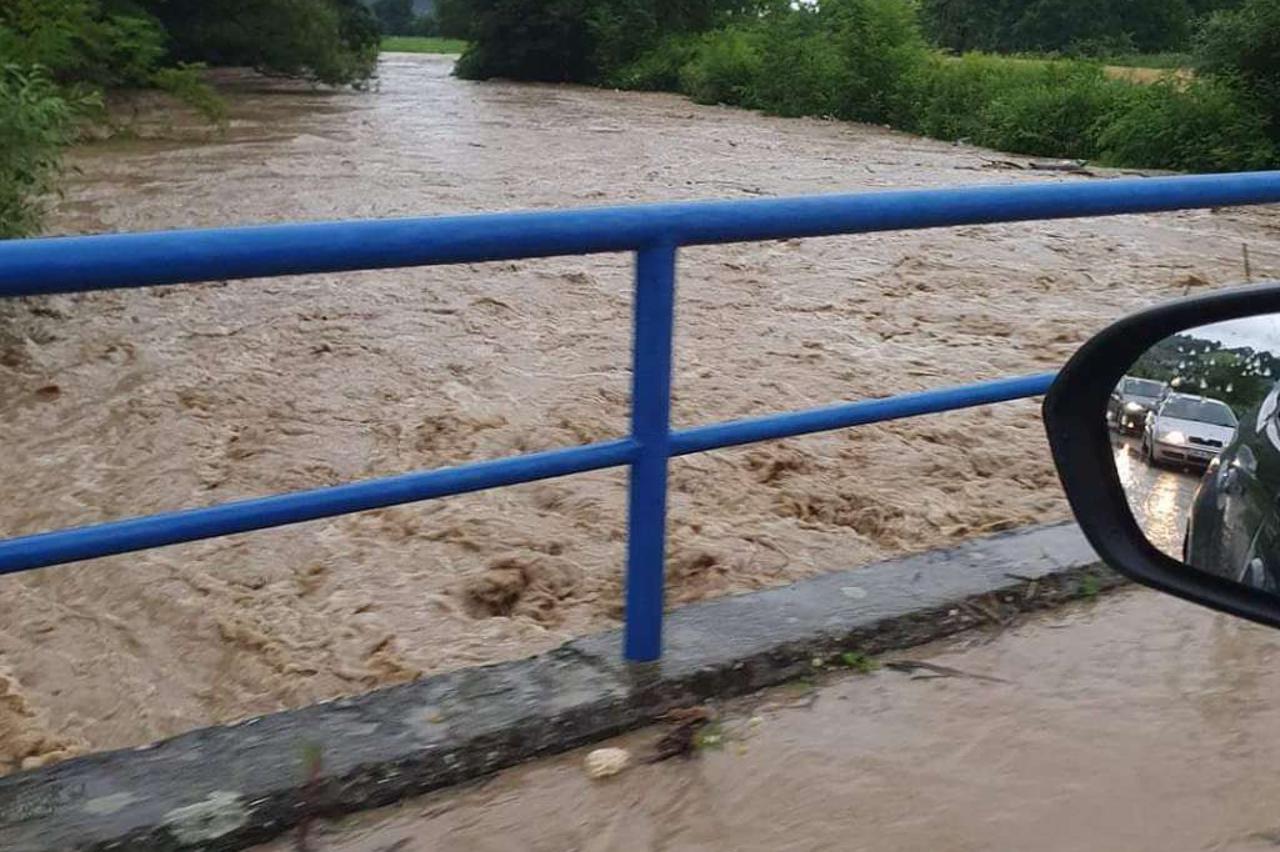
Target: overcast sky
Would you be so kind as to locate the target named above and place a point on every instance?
(1260, 332)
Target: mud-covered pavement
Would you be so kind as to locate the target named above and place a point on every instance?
(114, 404)
(1137, 722)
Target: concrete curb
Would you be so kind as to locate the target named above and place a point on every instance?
(224, 788)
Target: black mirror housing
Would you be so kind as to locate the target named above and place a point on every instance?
(1083, 453)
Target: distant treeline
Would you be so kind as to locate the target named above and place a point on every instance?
(1079, 27)
(876, 61)
(1240, 376)
(416, 18)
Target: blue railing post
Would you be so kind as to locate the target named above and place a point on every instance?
(654, 311)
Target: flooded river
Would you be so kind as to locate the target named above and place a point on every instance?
(1136, 723)
(114, 404)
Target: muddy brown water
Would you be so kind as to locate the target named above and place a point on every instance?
(120, 403)
(1137, 722)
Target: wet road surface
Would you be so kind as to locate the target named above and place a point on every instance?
(1136, 722)
(1160, 497)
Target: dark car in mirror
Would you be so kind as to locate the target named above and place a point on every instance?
(1232, 526)
(1133, 398)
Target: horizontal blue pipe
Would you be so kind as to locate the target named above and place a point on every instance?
(67, 264)
(53, 548)
(702, 438)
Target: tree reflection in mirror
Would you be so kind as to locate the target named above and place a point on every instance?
(1196, 444)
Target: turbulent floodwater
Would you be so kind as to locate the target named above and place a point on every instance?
(113, 404)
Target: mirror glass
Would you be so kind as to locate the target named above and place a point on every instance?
(1196, 442)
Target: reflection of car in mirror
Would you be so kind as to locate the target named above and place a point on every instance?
(1234, 529)
(1130, 402)
(1187, 430)
(1203, 522)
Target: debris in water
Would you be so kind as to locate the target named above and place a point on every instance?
(1058, 165)
(607, 762)
(687, 735)
(935, 670)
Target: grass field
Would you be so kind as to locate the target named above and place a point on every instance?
(422, 44)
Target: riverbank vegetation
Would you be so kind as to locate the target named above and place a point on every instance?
(887, 62)
(58, 58)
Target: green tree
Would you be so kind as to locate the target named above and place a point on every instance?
(965, 25)
(453, 18)
(1242, 46)
(581, 40)
(1157, 25)
(1095, 27)
(1058, 24)
(1239, 376)
(395, 17)
(82, 41)
(36, 121)
(530, 40)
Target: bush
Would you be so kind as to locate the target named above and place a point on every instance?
(658, 69)
(863, 59)
(883, 53)
(724, 70)
(331, 41)
(801, 68)
(1053, 110)
(1204, 126)
(855, 59)
(1242, 46)
(952, 94)
(36, 121)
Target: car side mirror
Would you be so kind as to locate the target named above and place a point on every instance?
(1190, 504)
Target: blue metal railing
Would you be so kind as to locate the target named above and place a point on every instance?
(654, 233)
